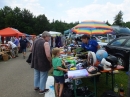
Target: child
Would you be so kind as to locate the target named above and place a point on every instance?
(58, 71)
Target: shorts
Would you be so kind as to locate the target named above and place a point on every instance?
(23, 49)
(59, 79)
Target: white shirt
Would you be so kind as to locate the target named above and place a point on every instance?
(11, 44)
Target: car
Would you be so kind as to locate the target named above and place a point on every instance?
(120, 47)
(121, 31)
(102, 44)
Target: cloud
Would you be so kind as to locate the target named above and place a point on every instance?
(102, 12)
(68, 12)
(95, 1)
(31, 0)
(60, 5)
(32, 5)
(68, 1)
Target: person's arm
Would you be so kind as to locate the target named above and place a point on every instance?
(47, 51)
(59, 64)
(62, 69)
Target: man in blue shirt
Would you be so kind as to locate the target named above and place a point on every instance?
(23, 45)
(89, 44)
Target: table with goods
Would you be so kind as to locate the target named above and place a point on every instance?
(82, 64)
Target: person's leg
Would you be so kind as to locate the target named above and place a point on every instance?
(16, 51)
(24, 53)
(61, 80)
(36, 78)
(61, 89)
(56, 85)
(13, 53)
(56, 88)
(43, 79)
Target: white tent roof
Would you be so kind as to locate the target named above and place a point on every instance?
(53, 33)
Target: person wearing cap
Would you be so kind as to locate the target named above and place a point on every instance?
(41, 62)
(89, 44)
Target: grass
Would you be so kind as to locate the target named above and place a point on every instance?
(120, 78)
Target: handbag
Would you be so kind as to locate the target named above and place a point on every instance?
(29, 59)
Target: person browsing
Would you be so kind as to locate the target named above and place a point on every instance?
(58, 72)
(89, 44)
(41, 62)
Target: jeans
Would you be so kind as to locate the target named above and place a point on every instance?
(40, 79)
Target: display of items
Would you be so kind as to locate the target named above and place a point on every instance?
(78, 73)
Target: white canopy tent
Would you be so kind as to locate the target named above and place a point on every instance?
(54, 33)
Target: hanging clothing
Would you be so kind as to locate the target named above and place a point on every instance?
(58, 41)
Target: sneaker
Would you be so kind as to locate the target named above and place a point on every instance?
(43, 92)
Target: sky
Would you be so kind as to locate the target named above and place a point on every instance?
(74, 10)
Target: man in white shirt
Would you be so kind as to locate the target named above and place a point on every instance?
(13, 48)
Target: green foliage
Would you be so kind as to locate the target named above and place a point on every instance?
(118, 19)
(26, 22)
(127, 24)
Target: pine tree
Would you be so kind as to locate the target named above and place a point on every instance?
(118, 19)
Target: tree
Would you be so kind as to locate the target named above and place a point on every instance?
(26, 22)
(127, 24)
(41, 24)
(118, 19)
(108, 23)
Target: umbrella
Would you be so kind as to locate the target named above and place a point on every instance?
(92, 28)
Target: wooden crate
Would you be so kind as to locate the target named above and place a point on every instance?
(5, 57)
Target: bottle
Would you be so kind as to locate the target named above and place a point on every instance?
(116, 89)
(121, 91)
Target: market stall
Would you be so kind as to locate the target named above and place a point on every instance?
(88, 65)
(5, 51)
(10, 32)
